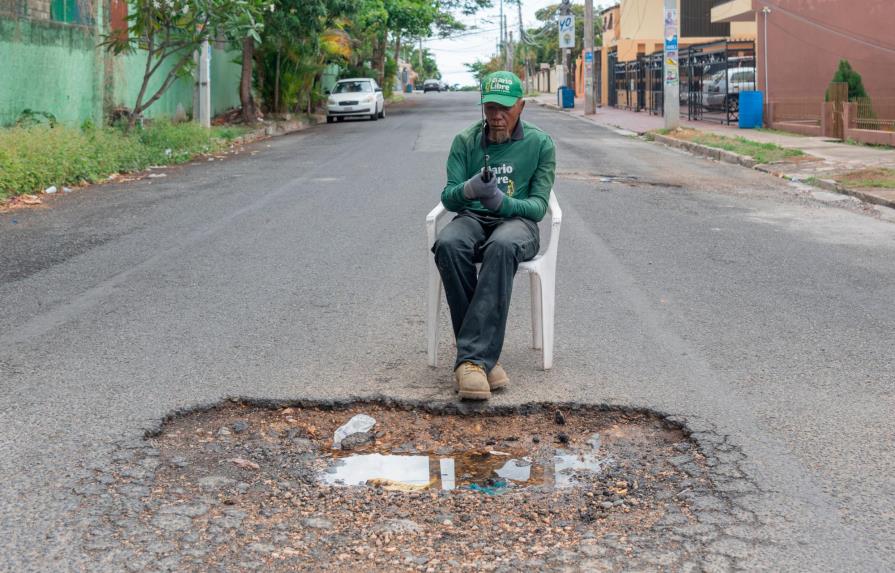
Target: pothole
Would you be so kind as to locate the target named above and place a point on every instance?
(241, 487)
(630, 180)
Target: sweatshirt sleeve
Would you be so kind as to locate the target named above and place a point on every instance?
(534, 206)
(452, 195)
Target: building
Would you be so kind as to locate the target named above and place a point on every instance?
(51, 61)
(633, 29)
(806, 39)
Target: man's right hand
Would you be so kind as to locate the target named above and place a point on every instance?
(475, 188)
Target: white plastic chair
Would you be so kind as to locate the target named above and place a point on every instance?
(542, 274)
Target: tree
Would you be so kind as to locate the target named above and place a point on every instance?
(846, 74)
(246, 41)
(543, 41)
(171, 31)
(480, 69)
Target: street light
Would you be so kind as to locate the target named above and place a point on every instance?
(766, 11)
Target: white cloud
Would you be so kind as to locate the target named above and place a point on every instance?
(481, 44)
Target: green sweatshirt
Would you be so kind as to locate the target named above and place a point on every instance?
(525, 167)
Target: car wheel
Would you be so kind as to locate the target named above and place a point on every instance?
(382, 113)
(374, 116)
(329, 119)
(734, 104)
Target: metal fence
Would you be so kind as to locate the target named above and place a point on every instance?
(655, 88)
(874, 114)
(712, 77)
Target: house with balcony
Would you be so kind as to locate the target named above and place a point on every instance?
(633, 31)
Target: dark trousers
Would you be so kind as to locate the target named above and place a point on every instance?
(480, 303)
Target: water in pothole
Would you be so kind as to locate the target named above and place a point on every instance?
(475, 470)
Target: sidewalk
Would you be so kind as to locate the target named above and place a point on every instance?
(828, 158)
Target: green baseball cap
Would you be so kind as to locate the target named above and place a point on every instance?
(504, 88)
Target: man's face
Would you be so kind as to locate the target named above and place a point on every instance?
(502, 120)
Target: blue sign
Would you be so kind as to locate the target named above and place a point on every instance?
(588, 57)
(671, 43)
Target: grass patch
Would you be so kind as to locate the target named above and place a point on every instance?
(34, 158)
(395, 98)
(880, 178)
(761, 152)
(851, 141)
(773, 131)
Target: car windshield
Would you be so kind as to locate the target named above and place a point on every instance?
(353, 87)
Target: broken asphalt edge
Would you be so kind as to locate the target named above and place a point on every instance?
(701, 432)
(769, 168)
(743, 160)
(435, 407)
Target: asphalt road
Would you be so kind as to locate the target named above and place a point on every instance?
(703, 290)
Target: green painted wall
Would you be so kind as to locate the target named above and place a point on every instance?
(57, 68)
(226, 69)
(127, 72)
(48, 67)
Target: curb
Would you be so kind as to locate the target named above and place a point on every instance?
(736, 159)
(706, 151)
(746, 161)
(613, 128)
(279, 128)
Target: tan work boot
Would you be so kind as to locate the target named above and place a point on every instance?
(470, 382)
(498, 378)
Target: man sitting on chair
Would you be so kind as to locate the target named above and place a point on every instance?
(496, 225)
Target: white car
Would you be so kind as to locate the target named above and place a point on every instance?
(355, 97)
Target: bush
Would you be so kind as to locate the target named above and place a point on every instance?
(846, 74)
(34, 158)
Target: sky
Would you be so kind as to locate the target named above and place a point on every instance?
(481, 44)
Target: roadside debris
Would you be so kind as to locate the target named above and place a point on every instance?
(358, 424)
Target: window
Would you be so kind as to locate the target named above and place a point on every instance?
(72, 11)
(353, 87)
(696, 20)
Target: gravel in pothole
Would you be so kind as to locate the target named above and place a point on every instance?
(242, 487)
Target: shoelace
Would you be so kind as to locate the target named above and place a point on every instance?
(469, 368)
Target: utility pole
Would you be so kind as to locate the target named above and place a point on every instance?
(510, 53)
(528, 78)
(672, 103)
(205, 84)
(764, 49)
(501, 52)
(589, 102)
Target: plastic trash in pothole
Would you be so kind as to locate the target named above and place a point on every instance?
(414, 488)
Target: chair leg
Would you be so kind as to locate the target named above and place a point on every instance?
(548, 295)
(432, 308)
(536, 314)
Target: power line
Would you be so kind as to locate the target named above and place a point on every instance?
(824, 48)
(827, 28)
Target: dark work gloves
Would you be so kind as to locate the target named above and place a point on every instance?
(486, 192)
